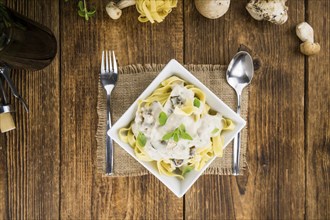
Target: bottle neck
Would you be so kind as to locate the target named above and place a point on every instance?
(5, 36)
(6, 24)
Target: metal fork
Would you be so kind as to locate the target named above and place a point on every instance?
(109, 77)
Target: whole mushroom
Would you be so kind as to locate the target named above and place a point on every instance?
(212, 8)
(306, 34)
(274, 11)
(114, 9)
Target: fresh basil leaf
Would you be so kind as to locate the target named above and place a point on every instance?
(91, 13)
(186, 136)
(176, 132)
(197, 102)
(167, 136)
(182, 128)
(176, 137)
(81, 14)
(215, 130)
(186, 170)
(162, 118)
(141, 139)
(81, 5)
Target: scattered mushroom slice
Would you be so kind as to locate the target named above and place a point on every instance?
(114, 9)
(192, 151)
(309, 48)
(178, 162)
(274, 11)
(212, 8)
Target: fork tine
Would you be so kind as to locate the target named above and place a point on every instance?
(102, 64)
(106, 61)
(114, 63)
(110, 60)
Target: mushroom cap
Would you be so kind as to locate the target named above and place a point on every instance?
(212, 8)
(113, 11)
(309, 48)
(274, 11)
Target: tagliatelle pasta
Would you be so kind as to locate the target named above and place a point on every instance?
(175, 128)
(154, 10)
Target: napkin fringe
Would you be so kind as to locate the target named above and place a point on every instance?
(138, 68)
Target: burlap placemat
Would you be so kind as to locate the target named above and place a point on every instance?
(132, 81)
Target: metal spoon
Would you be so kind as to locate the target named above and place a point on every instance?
(239, 75)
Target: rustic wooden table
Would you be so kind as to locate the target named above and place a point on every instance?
(47, 165)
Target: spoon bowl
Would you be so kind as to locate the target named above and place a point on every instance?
(240, 71)
(239, 74)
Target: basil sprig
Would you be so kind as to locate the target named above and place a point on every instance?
(84, 11)
(178, 133)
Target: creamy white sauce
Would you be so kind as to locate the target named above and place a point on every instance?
(201, 131)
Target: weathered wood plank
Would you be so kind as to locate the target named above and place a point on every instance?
(33, 148)
(317, 115)
(274, 184)
(3, 178)
(135, 198)
(86, 194)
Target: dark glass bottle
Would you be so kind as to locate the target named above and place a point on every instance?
(24, 44)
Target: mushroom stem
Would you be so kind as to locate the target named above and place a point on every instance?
(125, 3)
(305, 32)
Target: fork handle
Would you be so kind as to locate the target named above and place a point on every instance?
(109, 142)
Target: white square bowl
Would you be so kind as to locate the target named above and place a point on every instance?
(177, 186)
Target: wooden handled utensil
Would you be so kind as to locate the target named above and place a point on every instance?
(6, 120)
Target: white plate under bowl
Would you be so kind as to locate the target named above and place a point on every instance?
(177, 186)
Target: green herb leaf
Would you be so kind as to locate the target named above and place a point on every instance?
(91, 13)
(81, 6)
(167, 136)
(182, 128)
(179, 132)
(215, 130)
(186, 170)
(197, 102)
(141, 139)
(186, 136)
(83, 10)
(81, 14)
(176, 137)
(162, 118)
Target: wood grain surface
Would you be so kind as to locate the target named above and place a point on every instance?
(48, 167)
(32, 160)
(317, 116)
(275, 93)
(118, 198)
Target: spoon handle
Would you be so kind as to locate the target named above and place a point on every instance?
(237, 149)
(237, 142)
